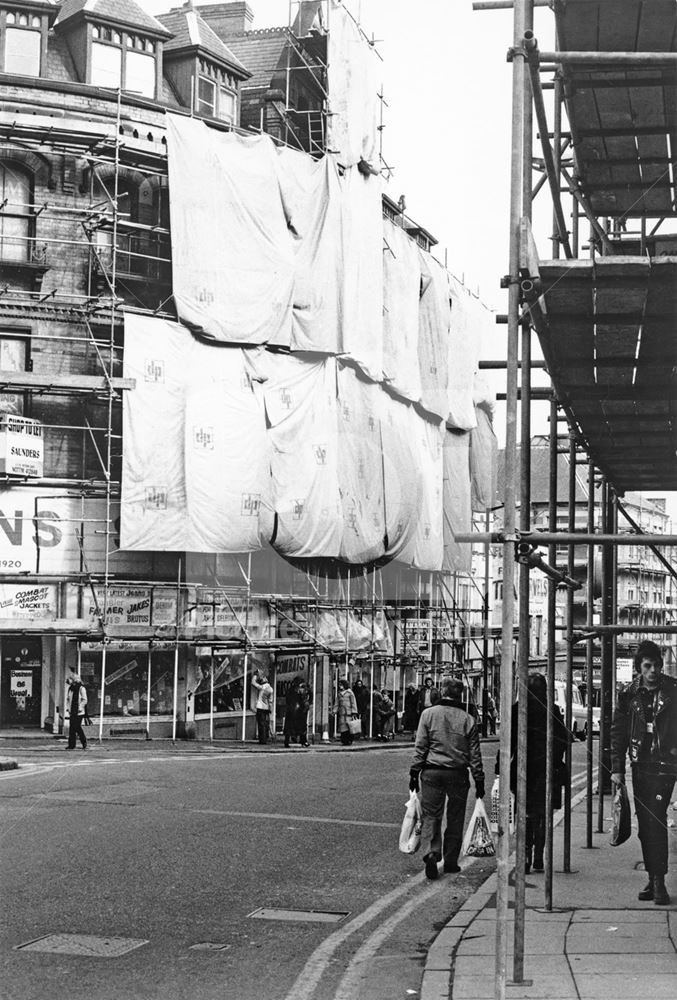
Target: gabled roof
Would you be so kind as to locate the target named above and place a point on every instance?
(123, 12)
(191, 31)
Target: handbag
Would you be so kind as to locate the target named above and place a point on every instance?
(494, 807)
(410, 833)
(478, 842)
(354, 727)
(620, 815)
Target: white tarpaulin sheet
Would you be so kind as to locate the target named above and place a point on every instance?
(424, 551)
(360, 469)
(312, 196)
(401, 294)
(354, 83)
(402, 473)
(362, 285)
(433, 335)
(457, 515)
(195, 473)
(483, 461)
(232, 257)
(300, 398)
(468, 317)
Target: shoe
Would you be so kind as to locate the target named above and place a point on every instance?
(660, 893)
(451, 869)
(305, 744)
(527, 868)
(431, 869)
(286, 744)
(647, 891)
(538, 865)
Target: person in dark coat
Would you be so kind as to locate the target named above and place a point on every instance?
(77, 710)
(536, 757)
(296, 713)
(428, 695)
(363, 699)
(410, 715)
(644, 727)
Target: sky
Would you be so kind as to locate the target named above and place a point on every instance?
(448, 88)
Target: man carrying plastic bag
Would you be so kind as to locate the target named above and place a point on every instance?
(447, 745)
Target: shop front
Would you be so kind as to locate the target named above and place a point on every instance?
(21, 682)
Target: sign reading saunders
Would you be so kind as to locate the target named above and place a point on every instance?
(21, 446)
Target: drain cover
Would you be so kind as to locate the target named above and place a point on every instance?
(317, 916)
(82, 944)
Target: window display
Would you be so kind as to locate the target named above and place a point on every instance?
(127, 690)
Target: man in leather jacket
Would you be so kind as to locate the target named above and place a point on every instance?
(645, 728)
(447, 744)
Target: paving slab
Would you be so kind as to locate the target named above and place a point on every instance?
(621, 965)
(476, 965)
(543, 987)
(628, 916)
(618, 987)
(620, 944)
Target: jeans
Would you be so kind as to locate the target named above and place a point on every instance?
(452, 786)
(263, 724)
(652, 793)
(75, 730)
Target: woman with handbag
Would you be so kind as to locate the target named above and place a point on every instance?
(346, 712)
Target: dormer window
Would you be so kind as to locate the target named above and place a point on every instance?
(124, 60)
(216, 95)
(22, 42)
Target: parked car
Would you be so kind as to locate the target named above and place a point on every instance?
(579, 711)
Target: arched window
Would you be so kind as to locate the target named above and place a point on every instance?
(16, 215)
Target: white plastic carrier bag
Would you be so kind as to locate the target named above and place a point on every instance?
(494, 811)
(478, 842)
(410, 834)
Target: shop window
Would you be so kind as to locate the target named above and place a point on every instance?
(16, 215)
(127, 683)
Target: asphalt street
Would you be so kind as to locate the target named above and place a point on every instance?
(180, 850)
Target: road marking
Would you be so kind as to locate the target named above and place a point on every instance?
(298, 819)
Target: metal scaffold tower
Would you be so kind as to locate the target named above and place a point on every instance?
(605, 324)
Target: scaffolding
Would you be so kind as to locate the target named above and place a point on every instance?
(603, 323)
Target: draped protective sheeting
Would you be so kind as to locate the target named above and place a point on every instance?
(483, 461)
(195, 474)
(424, 550)
(360, 468)
(433, 335)
(457, 513)
(353, 79)
(232, 255)
(401, 297)
(300, 400)
(402, 474)
(468, 318)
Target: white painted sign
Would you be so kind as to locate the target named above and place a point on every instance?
(28, 601)
(21, 446)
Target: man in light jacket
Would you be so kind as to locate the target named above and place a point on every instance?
(264, 705)
(447, 745)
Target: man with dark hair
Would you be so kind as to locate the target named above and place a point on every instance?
(645, 728)
(447, 744)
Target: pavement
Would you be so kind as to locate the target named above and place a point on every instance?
(598, 941)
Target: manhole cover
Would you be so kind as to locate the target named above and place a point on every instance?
(82, 944)
(209, 946)
(317, 916)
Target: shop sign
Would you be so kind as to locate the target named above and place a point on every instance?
(291, 664)
(21, 683)
(164, 606)
(418, 634)
(21, 446)
(125, 606)
(28, 602)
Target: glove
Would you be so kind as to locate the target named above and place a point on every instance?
(413, 781)
(479, 789)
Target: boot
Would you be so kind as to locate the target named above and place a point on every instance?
(527, 859)
(647, 891)
(539, 842)
(660, 893)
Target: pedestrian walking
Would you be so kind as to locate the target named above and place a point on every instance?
(296, 713)
(388, 713)
(264, 705)
(77, 710)
(447, 745)
(345, 708)
(427, 695)
(536, 761)
(363, 700)
(491, 715)
(644, 727)
(410, 713)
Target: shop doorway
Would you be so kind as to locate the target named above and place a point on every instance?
(20, 683)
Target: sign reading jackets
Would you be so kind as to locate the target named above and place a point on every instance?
(24, 602)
